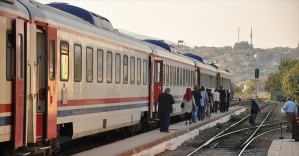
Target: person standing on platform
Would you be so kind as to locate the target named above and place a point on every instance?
(209, 104)
(222, 99)
(216, 100)
(291, 111)
(189, 105)
(203, 102)
(197, 97)
(165, 108)
(227, 99)
(253, 112)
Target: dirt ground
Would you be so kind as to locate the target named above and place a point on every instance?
(258, 147)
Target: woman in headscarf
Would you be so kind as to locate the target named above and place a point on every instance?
(253, 112)
(189, 103)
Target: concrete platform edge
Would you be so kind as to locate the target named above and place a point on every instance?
(179, 137)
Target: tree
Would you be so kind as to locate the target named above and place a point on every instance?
(243, 45)
(290, 82)
(273, 83)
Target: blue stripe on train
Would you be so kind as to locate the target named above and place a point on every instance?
(64, 113)
(4, 121)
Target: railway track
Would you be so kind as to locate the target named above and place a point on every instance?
(242, 134)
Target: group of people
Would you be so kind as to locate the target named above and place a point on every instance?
(196, 104)
(201, 102)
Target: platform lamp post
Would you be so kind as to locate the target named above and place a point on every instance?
(247, 58)
(180, 42)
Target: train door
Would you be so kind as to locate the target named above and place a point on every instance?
(158, 75)
(19, 104)
(46, 108)
(198, 76)
(218, 81)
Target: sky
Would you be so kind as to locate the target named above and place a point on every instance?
(274, 23)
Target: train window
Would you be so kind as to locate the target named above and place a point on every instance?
(64, 61)
(174, 76)
(163, 74)
(178, 76)
(132, 70)
(89, 64)
(181, 77)
(125, 70)
(138, 71)
(144, 72)
(100, 66)
(188, 77)
(193, 78)
(167, 75)
(109, 67)
(184, 77)
(20, 56)
(190, 80)
(170, 76)
(52, 60)
(117, 68)
(9, 55)
(77, 63)
(157, 72)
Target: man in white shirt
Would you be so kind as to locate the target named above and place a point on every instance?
(216, 100)
(291, 110)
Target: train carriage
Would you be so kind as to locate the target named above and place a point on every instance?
(68, 75)
(178, 73)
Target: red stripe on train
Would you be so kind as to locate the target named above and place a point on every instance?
(5, 108)
(100, 101)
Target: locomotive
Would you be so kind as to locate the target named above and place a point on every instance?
(67, 73)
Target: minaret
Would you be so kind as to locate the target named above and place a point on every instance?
(251, 38)
(238, 34)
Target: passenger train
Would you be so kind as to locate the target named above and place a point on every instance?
(67, 73)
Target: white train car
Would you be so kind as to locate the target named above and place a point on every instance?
(224, 79)
(178, 73)
(69, 75)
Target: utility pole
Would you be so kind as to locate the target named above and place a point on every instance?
(251, 38)
(238, 34)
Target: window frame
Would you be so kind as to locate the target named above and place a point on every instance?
(125, 79)
(68, 60)
(144, 72)
(117, 72)
(132, 81)
(102, 75)
(88, 47)
(109, 81)
(79, 80)
(9, 61)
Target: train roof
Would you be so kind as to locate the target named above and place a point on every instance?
(159, 43)
(86, 15)
(224, 73)
(194, 56)
(48, 14)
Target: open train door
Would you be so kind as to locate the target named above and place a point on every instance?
(19, 115)
(158, 75)
(51, 108)
(46, 109)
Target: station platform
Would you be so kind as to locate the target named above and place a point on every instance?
(284, 147)
(155, 142)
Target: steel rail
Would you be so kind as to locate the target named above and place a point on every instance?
(213, 138)
(244, 129)
(258, 126)
(243, 149)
